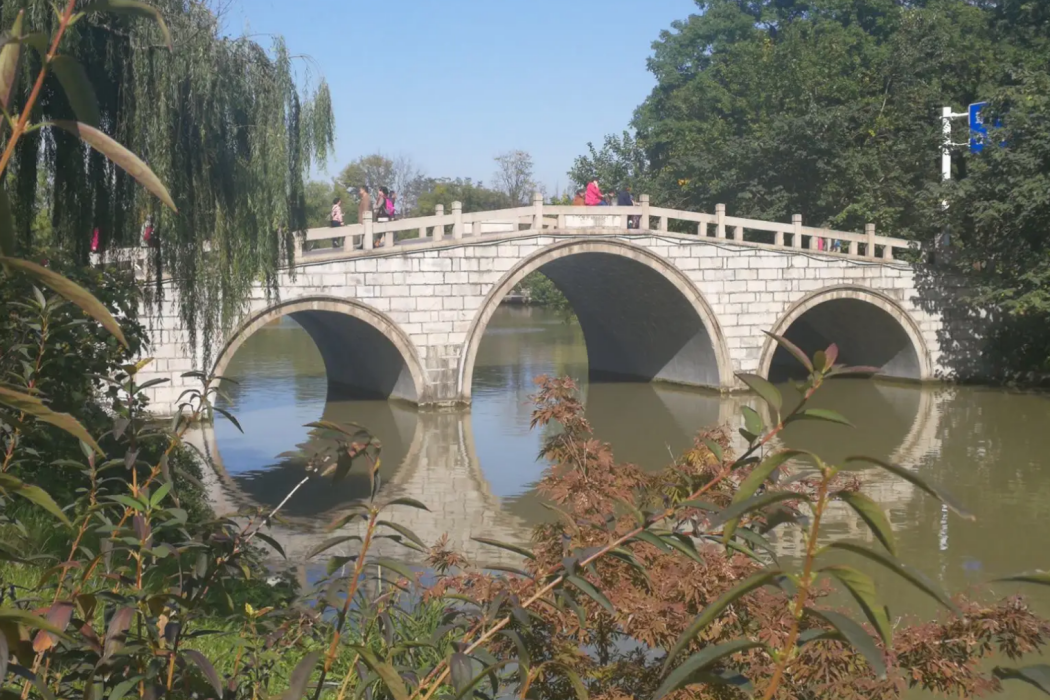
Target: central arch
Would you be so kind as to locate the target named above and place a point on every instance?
(364, 351)
(642, 318)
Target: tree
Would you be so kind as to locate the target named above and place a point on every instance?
(514, 177)
(319, 198)
(222, 122)
(474, 196)
(621, 162)
(400, 174)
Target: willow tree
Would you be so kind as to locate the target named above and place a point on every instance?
(223, 123)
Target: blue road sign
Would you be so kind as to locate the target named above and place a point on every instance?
(978, 130)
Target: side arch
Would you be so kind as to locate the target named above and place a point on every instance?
(870, 328)
(363, 349)
(675, 335)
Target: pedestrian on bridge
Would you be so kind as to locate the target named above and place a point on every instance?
(594, 196)
(336, 220)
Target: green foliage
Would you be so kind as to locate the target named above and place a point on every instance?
(473, 195)
(542, 292)
(621, 162)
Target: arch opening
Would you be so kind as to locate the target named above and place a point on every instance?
(868, 331)
(642, 320)
(365, 355)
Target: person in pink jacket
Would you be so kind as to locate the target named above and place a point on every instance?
(594, 196)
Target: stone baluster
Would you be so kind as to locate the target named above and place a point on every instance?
(422, 232)
(439, 230)
(853, 246)
(643, 223)
(887, 252)
(796, 237)
(701, 229)
(738, 233)
(537, 211)
(778, 239)
(367, 242)
(720, 221)
(457, 220)
(388, 239)
(869, 235)
(663, 224)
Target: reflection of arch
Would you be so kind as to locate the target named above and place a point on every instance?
(641, 317)
(363, 349)
(870, 328)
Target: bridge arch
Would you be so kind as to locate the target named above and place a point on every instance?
(363, 349)
(641, 317)
(869, 327)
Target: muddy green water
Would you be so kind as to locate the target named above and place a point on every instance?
(476, 469)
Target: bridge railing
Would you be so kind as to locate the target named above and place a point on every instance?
(362, 238)
(456, 225)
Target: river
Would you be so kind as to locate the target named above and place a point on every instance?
(476, 469)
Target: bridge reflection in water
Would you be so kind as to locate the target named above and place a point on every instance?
(475, 470)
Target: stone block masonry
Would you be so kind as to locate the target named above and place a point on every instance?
(406, 322)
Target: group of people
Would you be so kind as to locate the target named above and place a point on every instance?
(385, 210)
(592, 196)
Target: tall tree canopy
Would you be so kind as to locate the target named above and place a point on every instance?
(221, 121)
(831, 109)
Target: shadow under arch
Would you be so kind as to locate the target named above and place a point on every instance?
(870, 329)
(642, 318)
(365, 353)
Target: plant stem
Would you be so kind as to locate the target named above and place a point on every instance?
(787, 652)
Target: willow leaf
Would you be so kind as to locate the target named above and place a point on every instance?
(862, 588)
(120, 156)
(715, 608)
(857, 638)
(911, 477)
(72, 291)
(871, 513)
(680, 677)
(132, 7)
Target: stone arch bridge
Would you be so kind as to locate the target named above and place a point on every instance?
(660, 294)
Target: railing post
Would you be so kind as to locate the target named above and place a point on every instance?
(367, 222)
(814, 243)
(439, 230)
(720, 221)
(422, 232)
(796, 237)
(663, 224)
(887, 252)
(457, 220)
(738, 233)
(643, 223)
(869, 233)
(537, 209)
(388, 239)
(853, 246)
(778, 239)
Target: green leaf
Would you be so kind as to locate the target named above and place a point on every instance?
(329, 543)
(769, 393)
(755, 479)
(404, 531)
(71, 291)
(684, 545)
(273, 543)
(871, 513)
(734, 511)
(862, 588)
(752, 421)
(523, 659)
(507, 546)
(574, 680)
(793, 349)
(680, 677)
(913, 478)
(715, 608)
(1037, 675)
(715, 448)
(77, 86)
(913, 576)
(121, 689)
(822, 414)
(206, 668)
(650, 538)
(411, 502)
(592, 592)
(1041, 578)
(301, 676)
(7, 226)
(132, 7)
(459, 667)
(159, 494)
(120, 156)
(397, 567)
(43, 499)
(28, 619)
(33, 406)
(857, 638)
(229, 417)
(389, 675)
(9, 62)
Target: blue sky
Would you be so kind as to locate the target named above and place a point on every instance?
(451, 83)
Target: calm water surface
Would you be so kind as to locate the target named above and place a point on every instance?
(476, 470)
